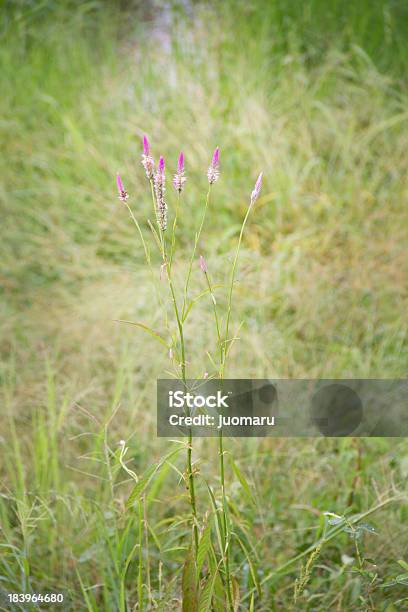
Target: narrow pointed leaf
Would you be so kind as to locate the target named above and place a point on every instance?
(147, 477)
(147, 329)
(243, 481)
(189, 584)
(204, 547)
(204, 604)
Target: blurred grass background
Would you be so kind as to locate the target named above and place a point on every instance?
(314, 94)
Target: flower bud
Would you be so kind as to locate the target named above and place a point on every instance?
(147, 159)
(213, 171)
(257, 188)
(203, 264)
(179, 179)
(123, 195)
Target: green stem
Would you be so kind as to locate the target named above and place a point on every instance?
(234, 266)
(140, 574)
(190, 473)
(356, 546)
(223, 358)
(214, 303)
(226, 542)
(192, 489)
(191, 485)
(225, 521)
(173, 235)
(135, 221)
(192, 258)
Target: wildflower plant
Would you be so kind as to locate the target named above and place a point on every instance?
(164, 237)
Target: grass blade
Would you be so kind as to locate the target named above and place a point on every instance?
(243, 481)
(147, 329)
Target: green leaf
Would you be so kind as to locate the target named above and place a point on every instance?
(370, 560)
(219, 595)
(403, 564)
(155, 234)
(243, 481)
(154, 536)
(219, 603)
(402, 579)
(367, 527)
(147, 477)
(219, 527)
(204, 604)
(189, 584)
(336, 520)
(141, 485)
(250, 564)
(156, 486)
(204, 547)
(196, 299)
(87, 599)
(147, 329)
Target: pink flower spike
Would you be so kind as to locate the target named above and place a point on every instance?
(147, 159)
(179, 179)
(123, 195)
(213, 171)
(257, 188)
(146, 146)
(203, 264)
(181, 163)
(159, 190)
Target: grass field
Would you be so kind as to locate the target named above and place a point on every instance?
(312, 93)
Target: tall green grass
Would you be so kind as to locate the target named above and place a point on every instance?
(315, 96)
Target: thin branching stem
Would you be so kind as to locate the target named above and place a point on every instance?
(223, 358)
(225, 520)
(179, 320)
(140, 573)
(215, 310)
(231, 288)
(135, 221)
(173, 234)
(193, 254)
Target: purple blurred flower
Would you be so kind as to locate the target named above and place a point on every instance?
(123, 195)
(257, 188)
(147, 159)
(180, 165)
(146, 146)
(159, 190)
(203, 264)
(179, 179)
(213, 171)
